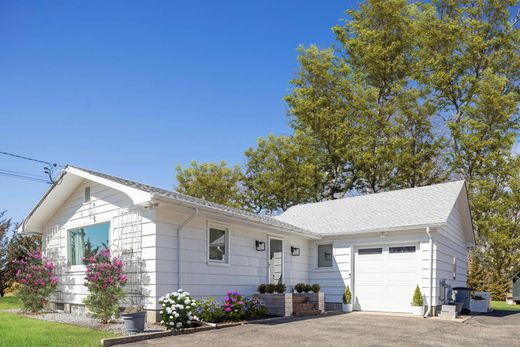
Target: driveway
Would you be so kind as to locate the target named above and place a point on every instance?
(360, 329)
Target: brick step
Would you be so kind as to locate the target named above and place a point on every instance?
(299, 299)
(303, 307)
(307, 313)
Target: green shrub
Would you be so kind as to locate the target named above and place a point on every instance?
(347, 296)
(417, 299)
(299, 287)
(262, 288)
(271, 288)
(280, 288)
(307, 288)
(316, 287)
(254, 307)
(208, 310)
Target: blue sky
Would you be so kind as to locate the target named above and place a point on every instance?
(133, 88)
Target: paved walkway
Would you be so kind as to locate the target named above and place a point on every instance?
(359, 329)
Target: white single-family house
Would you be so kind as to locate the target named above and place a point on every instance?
(380, 245)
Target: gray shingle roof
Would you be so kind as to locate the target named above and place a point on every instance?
(429, 205)
(263, 219)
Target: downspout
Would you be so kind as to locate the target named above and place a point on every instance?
(430, 302)
(179, 247)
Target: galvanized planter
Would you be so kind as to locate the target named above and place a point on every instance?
(134, 322)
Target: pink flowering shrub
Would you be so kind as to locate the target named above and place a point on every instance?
(105, 280)
(36, 281)
(233, 306)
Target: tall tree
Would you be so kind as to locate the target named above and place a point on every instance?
(282, 172)
(5, 279)
(470, 61)
(213, 182)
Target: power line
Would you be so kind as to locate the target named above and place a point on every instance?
(48, 170)
(24, 177)
(22, 173)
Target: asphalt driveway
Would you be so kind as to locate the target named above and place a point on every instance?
(359, 329)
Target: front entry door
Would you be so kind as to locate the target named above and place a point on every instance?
(275, 261)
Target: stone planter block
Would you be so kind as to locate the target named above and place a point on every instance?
(277, 304)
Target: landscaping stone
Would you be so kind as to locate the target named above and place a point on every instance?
(278, 304)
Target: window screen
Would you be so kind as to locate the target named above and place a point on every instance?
(325, 255)
(405, 249)
(217, 244)
(366, 251)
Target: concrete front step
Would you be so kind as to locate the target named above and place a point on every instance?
(303, 307)
(307, 313)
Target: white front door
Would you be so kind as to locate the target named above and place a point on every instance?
(275, 260)
(385, 277)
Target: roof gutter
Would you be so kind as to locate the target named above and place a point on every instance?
(294, 231)
(381, 230)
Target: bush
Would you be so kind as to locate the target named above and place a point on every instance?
(271, 288)
(233, 306)
(299, 287)
(177, 309)
(35, 281)
(347, 296)
(254, 307)
(262, 288)
(208, 310)
(307, 288)
(417, 299)
(316, 287)
(280, 288)
(104, 280)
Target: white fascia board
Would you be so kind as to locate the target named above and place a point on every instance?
(138, 197)
(384, 230)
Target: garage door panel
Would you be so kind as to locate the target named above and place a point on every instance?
(385, 281)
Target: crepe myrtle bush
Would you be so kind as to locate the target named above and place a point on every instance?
(178, 310)
(35, 281)
(105, 280)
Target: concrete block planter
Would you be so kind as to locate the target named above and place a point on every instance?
(277, 304)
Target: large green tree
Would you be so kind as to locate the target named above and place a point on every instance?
(212, 182)
(5, 279)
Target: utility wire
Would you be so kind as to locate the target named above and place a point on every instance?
(27, 158)
(22, 173)
(49, 169)
(24, 177)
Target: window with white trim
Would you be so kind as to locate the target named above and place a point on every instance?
(325, 256)
(218, 240)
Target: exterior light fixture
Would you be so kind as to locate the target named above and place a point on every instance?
(295, 251)
(260, 246)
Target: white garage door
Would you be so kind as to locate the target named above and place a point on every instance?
(385, 277)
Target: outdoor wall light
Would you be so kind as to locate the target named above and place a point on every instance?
(260, 246)
(295, 251)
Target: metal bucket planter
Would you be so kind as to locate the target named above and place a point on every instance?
(134, 322)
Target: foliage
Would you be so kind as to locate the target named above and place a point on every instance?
(6, 280)
(233, 306)
(178, 310)
(347, 296)
(502, 305)
(299, 287)
(280, 288)
(316, 287)
(270, 288)
(212, 182)
(262, 288)
(104, 280)
(36, 281)
(18, 330)
(307, 288)
(208, 310)
(254, 307)
(417, 299)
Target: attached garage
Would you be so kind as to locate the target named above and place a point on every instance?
(385, 277)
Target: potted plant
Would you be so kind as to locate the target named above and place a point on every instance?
(299, 287)
(316, 287)
(133, 318)
(347, 298)
(280, 288)
(417, 302)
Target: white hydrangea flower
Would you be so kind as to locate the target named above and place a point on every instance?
(176, 315)
(186, 293)
(168, 310)
(162, 322)
(187, 301)
(171, 317)
(180, 290)
(179, 325)
(189, 322)
(181, 307)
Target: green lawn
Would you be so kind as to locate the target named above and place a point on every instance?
(501, 305)
(16, 330)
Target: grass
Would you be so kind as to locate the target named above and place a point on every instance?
(16, 330)
(501, 305)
